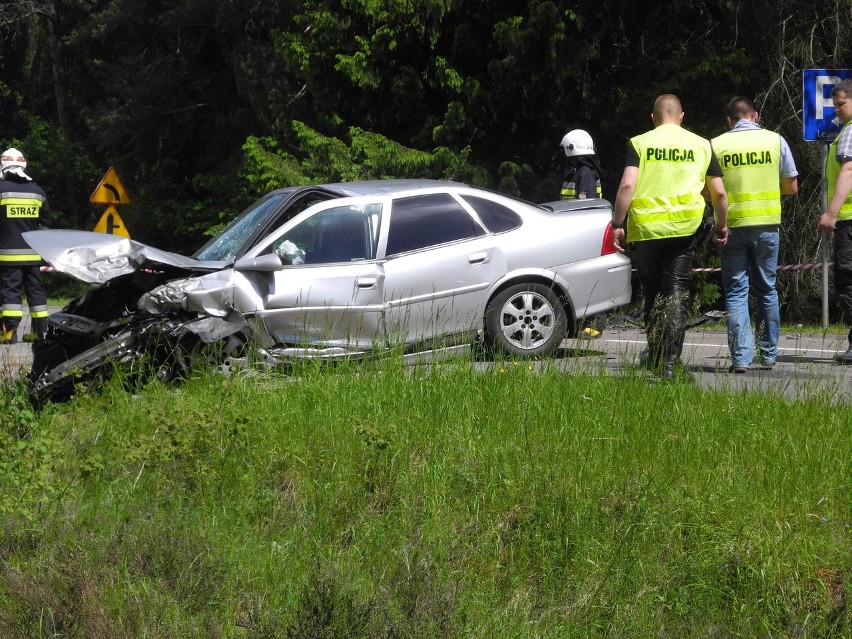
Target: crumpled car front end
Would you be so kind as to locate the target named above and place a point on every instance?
(149, 309)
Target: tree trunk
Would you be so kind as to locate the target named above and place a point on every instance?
(57, 65)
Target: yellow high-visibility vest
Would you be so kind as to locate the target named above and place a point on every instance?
(667, 201)
(751, 162)
(832, 170)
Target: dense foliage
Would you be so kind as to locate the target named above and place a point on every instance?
(202, 105)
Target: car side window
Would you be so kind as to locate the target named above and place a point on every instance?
(427, 220)
(340, 234)
(496, 217)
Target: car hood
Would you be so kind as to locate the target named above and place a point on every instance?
(96, 258)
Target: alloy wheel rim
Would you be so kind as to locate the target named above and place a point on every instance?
(527, 320)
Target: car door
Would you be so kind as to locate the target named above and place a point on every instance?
(329, 293)
(440, 263)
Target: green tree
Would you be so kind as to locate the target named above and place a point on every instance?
(203, 104)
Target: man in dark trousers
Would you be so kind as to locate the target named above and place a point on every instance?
(837, 218)
(659, 208)
(23, 207)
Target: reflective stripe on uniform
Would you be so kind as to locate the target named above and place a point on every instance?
(750, 197)
(23, 256)
(666, 217)
(17, 195)
(19, 257)
(569, 190)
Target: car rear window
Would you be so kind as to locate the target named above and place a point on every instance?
(428, 220)
(496, 217)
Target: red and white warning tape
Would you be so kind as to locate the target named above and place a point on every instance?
(781, 267)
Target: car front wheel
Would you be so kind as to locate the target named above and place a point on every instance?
(525, 320)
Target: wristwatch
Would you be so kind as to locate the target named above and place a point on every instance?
(619, 226)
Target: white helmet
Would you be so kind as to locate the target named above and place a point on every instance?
(578, 142)
(13, 161)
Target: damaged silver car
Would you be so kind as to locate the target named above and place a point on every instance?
(330, 271)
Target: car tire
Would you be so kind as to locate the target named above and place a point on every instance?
(48, 353)
(525, 320)
(177, 362)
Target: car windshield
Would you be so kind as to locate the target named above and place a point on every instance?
(225, 245)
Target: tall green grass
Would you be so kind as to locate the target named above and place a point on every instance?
(375, 500)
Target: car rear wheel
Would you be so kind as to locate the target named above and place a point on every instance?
(525, 320)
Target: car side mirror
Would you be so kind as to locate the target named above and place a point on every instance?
(268, 263)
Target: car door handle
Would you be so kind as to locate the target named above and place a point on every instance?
(479, 258)
(367, 283)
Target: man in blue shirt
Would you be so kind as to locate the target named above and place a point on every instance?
(758, 169)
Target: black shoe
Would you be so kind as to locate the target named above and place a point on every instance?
(648, 360)
(738, 370)
(844, 358)
(676, 372)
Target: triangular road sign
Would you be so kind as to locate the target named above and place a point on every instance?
(111, 223)
(110, 190)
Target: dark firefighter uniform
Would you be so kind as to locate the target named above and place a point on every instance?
(581, 182)
(23, 207)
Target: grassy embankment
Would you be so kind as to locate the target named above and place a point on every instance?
(377, 501)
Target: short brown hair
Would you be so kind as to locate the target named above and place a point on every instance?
(844, 87)
(739, 108)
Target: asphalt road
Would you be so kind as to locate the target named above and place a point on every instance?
(805, 367)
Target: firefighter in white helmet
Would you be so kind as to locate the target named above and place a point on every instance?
(582, 180)
(23, 207)
(583, 177)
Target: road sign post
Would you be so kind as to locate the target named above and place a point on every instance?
(820, 124)
(824, 239)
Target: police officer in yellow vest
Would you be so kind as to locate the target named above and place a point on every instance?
(838, 217)
(759, 169)
(666, 171)
(23, 207)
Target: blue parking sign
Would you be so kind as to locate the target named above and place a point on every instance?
(818, 118)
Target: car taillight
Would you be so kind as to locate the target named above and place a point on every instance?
(607, 247)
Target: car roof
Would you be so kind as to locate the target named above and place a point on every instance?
(376, 187)
(366, 188)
